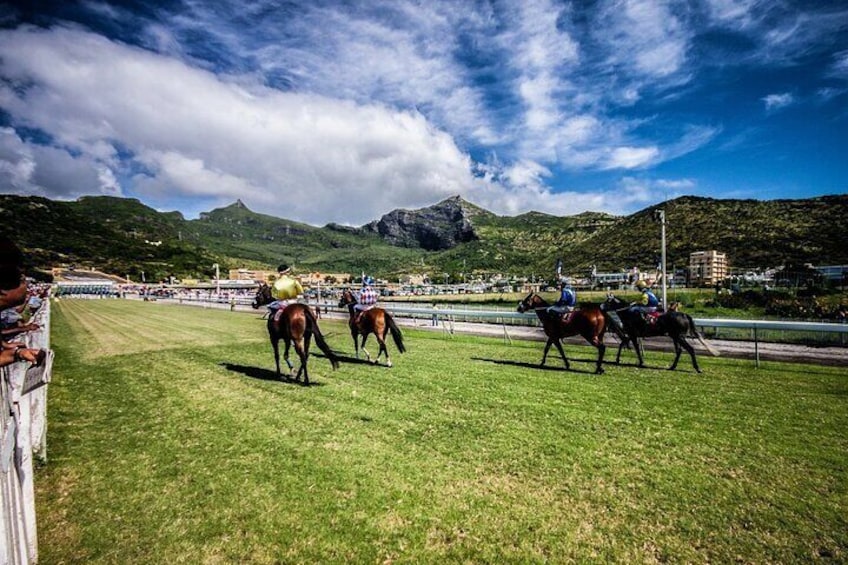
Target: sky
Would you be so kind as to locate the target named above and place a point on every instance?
(341, 110)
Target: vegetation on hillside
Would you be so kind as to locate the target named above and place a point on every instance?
(124, 236)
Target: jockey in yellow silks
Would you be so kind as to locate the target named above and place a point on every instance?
(285, 289)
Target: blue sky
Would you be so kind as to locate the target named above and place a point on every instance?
(341, 111)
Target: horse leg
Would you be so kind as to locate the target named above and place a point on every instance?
(362, 347)
(624, 343)
(640, 351)
(383, 350)
(602, 349)
(286, 355)
(562, 354)
(677, 351)
(355, 335)
(545, 353)
(298, 347)
(380, 332)
(275, 345)
(307, 338)
(691, 351)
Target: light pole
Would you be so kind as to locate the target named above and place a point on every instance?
(217, 280)
(659, 215)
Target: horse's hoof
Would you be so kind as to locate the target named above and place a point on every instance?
(388, 364)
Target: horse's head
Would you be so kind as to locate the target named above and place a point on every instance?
(612, 303)
(263, 296)
(347, 298)
(530, 302)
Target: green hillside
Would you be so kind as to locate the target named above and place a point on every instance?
(124, 236)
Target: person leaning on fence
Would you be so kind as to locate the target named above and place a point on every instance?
(14, 293)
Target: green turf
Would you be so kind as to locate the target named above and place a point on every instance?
(169, 442)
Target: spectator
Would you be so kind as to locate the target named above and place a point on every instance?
(14, 293)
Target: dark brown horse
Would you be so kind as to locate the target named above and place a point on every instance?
(374, 320)
(588, 322)
(296, 323)
(676, 325)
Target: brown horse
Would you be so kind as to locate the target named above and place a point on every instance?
(588, 322)
(374, 320)
(296, 323)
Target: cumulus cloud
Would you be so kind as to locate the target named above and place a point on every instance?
(32, 169)
(298, 155)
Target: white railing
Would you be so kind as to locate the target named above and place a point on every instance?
(23, 432)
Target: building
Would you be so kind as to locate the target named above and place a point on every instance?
(310, 279)
(251, 275)
(707, 268)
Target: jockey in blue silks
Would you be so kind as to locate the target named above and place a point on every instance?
(567, 299)
(647, 303)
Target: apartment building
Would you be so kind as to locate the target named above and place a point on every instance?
(706, 268)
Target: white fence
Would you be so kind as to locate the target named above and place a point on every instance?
(23, 431)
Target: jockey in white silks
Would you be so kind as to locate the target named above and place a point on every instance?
(367, 296)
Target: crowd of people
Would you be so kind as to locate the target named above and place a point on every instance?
(20, 299)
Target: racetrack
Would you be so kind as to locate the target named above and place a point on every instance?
(171, 440)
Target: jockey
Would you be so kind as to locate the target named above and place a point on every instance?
(647, 303)
(367, 296)
(567, 299)
(284, 290)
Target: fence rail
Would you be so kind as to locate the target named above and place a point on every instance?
(527, 318)
(23, 432)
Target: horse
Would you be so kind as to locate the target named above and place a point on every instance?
(296, 323)
(587, 321)
(676, 325)
(374, 320)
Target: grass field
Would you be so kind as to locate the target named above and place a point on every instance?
(170, 442)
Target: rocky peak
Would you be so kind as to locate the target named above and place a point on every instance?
(441, 226)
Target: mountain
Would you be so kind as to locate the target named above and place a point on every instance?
(441, 226)
(124, 236)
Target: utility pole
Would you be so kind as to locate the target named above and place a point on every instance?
(659, 216)
(217, 280)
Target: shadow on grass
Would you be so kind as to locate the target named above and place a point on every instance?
(537, 366)
(353, 360)
(264, 374)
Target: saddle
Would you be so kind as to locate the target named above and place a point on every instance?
(652, 317)
(565, 317)
(278, 312)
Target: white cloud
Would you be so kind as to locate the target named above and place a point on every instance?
(630, 157)
(300, 156)
(644, 37)
(31, 169)
(777, 101)
(839, 69)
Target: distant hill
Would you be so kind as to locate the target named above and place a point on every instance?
(124, 236)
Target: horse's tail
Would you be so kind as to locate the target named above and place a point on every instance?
(396, 335)
(319, 338)
(693, 332)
